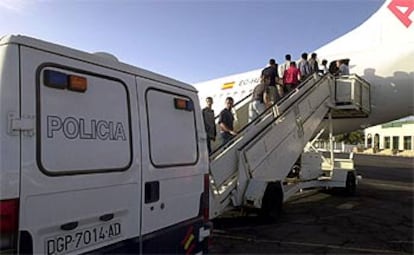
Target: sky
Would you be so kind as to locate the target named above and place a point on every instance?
(188, 40)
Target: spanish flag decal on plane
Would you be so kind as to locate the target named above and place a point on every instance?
(228, 85)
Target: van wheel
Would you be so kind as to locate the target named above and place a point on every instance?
(350, 185)
(272, 202)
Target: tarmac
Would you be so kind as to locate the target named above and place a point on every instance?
(377, 220)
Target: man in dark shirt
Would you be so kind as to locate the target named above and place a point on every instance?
(209, 124)
(313, 64)
(272, 72)
(226, 120)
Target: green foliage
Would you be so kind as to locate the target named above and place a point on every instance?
(356, 137)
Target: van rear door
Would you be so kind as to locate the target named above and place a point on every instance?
(173, 179)
(80, 181)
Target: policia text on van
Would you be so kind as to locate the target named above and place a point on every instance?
(86, 160)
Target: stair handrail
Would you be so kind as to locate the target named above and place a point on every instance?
(214, 153)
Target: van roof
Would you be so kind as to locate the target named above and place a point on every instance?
(97, 59)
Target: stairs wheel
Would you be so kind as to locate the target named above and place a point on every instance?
(350, 184)
(294, 171)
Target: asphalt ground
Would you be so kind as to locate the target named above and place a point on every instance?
(377, 220)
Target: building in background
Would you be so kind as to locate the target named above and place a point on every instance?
(392, 137)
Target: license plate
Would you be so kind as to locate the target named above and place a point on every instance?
(79, 239)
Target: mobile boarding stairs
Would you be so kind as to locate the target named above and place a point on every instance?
(259, 167)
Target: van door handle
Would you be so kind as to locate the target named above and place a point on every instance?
(69, 226)
(152, 192)
(106, 217)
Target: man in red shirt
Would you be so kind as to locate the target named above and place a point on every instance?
(291, 77)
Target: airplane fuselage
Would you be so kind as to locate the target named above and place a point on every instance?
(381, 51)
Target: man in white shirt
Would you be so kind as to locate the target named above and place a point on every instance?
(285, 66)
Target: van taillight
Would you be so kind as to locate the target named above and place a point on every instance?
(9, 211)
(206, 197)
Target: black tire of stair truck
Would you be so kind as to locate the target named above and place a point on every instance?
(350, 184)
(272, 202)
(295, 170)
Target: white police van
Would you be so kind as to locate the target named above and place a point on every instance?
(97, 155)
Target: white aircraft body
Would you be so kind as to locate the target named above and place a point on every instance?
(381, 51)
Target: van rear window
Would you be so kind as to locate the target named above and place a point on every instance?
(82, 130)
(172, 131)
